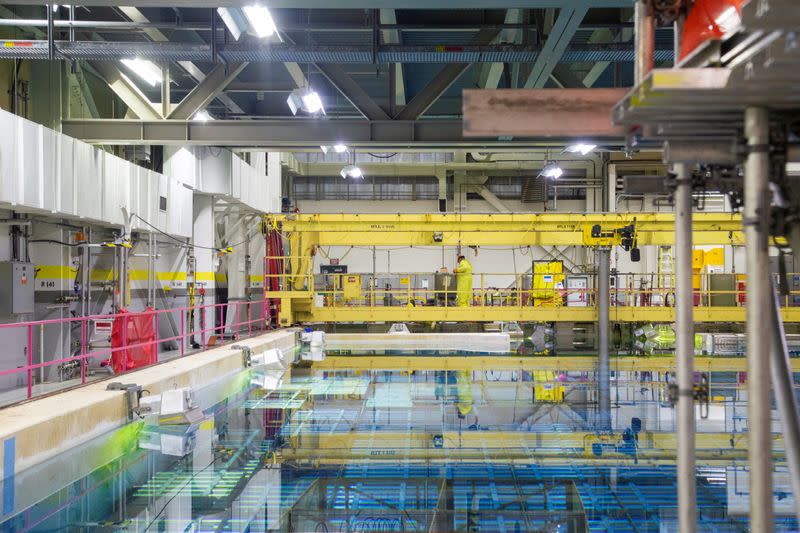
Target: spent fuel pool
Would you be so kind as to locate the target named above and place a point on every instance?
(463, 447)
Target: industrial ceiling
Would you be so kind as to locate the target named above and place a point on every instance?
(388, 74)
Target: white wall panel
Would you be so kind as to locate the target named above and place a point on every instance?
(30, 166)
(88, 165)
(67, 183)
(43, 170)
(222, 173)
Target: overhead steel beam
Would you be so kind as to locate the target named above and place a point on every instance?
(205, 91)
(604, 35)
(256, 53)
(567, 23)
(158, 36)
(563, 76)
(441, 82)
(352, 91)
(128, 92)
(388, 16)
(289, 133)
(494, 71)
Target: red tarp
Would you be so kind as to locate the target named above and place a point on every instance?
(137, 330)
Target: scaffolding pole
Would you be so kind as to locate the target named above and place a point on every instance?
(603, 375)
(756, 212)
(783, 383)
(687, 501)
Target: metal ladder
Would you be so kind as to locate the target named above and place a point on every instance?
(666, 278)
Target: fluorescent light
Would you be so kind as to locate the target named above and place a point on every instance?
(147, 70)
(338, 148)
(351, 171)
(305, 99)
(260, 20)
(581, 148)
(234, 20)
(202, 116)
(552, 170)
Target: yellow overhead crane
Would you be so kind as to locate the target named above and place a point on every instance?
(307, 232)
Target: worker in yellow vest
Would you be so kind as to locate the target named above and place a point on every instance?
(463, 282)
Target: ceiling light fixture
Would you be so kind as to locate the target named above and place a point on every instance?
(260, 20)
(202, 116)
(552, 170)
(580, 148)
(352, 171)
(305, 99)
(147, 70)
(234, 19)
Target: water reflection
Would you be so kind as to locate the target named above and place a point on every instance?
(422, 450)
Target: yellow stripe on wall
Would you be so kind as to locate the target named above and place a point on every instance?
(99, 275)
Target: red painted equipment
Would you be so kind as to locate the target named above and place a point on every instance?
(709, 19)
(274, 270)
(133, 340)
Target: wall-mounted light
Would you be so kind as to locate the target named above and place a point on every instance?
(338, 148)
(580, 148)
(147, 70)
(352, 171)
(552, 170)
(305, 99)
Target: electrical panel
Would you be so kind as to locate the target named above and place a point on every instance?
(16, 288)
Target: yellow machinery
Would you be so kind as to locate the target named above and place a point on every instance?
(546, 388)
(307, 232)
(548, 283)
(351, 288)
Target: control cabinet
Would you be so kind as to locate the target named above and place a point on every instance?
(16, 288)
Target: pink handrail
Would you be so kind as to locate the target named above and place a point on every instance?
(243, 325)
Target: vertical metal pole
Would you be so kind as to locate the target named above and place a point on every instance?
(236, 320)
(51, 46)
(783, 383)
(603, 374)
(166, 104)
(759, 421)
(155, 340)
(71, 26)
(183, 332)
(30, 361)
(83, 350)
(684, 322)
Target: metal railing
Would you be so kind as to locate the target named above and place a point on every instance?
(91, 354)
(513, 289)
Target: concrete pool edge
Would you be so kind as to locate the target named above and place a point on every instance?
(35, 431)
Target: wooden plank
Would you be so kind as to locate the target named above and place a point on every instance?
(571, 113)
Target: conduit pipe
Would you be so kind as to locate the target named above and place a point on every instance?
(603, 374)
(684, 322)
(754, 220)
(783, 383)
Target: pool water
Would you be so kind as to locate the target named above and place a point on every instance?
(355, 449)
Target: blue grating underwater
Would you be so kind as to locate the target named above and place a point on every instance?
(419, 450)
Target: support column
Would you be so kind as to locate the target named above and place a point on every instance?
(603, 374)
(756, 186)
(783, 383)
(205, 264)
(684, 322)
